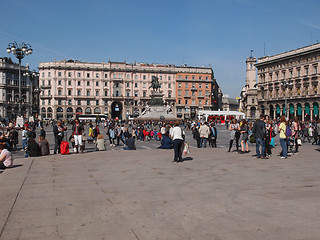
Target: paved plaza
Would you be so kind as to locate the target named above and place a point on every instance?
(142, 195)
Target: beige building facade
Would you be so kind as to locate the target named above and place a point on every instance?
(288, 84)
(116, 89)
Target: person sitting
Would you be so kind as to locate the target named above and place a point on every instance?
(130, 143)
(100, 143)
(44, 145)
(6, 159)
(33, 148)
(166, 142)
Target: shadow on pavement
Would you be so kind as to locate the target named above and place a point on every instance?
(15, 166)
(187, 159)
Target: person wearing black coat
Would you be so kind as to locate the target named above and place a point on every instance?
(33, 148)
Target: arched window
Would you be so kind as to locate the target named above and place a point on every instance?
(59, 109)
(49, 109)
(79, 110)
(43, 109)
(88, 110)
(97, 110)
(69, 109)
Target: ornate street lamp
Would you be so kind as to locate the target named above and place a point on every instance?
(19, 51)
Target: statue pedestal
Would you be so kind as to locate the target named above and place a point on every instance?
(158, 113)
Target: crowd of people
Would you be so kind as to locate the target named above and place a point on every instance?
(170, 135)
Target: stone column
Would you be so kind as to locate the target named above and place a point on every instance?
(311, 112)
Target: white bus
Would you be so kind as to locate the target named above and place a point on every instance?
(92, 117)
(220, 116)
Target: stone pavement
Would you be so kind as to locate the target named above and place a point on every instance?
(142, 195)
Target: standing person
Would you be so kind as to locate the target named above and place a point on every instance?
(196, 135)
(177, 137)
(295, 132)
(58, 131)
(42, 132)
(90, 134)
(259, 131)
(112, 135)
(6, 159)
(24, 138)
(244, 136)
(204, 134)
(269, 131)
(234, 128)
(306, 133)
(213, 136)
(77, 130)
(283, 137)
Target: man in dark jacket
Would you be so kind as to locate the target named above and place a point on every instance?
(166, 142)
(259, 131)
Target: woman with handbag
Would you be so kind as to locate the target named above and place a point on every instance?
(295, 132)
(234, 134)
(244, 136)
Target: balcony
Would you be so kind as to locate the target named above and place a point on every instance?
(187, 96)
(46, 86)
(201, 96)
(45, 96)
(117, 80)
(194, 89)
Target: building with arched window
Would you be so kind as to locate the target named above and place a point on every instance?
(9, 90)
(117, 89)
(288, 83)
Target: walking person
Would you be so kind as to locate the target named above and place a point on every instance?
(58, 131)
(177, 136)
(77, 130)
(234, 130)
(244, 136)
(213, 136)
(259, 131)
(24, 135)
(283, 137)
(204, 134)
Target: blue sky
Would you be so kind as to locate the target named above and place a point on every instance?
(219, 33)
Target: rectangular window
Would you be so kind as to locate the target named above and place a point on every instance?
(179, 85)
(88, 102)
(128, 94)
(135, 85)
(169, 78)
(97, 75)
(69, 102)
(106, 93)
(79, 74)
(200, 93)
(79, 83)
(106, 84)
(179, 93)
(79, 93)
(59, 74)
(69, 92)
(43, 74)
(69, 74)
(79, 102)
(179, 77)
(128, 76)
(179, 101)
(298, 72)
(49, 74)
(144, 85)
(88, 75)
(49, 101)
(128, 84)
(136, 94)
(49, 82)
(97, 84)
(59, 82)
(106, 75)
(200, 85)
(69, 83)
(97, 102)
(160, 77)
(307, 71)
(88, 83)
(169, 85)
(97, 93)
(59, 102)
(59, 92)
(315, 69)
(186, 101)
(144, 77)
(200, 78)
(186, 85)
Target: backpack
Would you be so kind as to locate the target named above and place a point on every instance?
(64, 147)
(288, 131)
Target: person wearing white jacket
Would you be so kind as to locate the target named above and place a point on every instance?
(177, 136)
